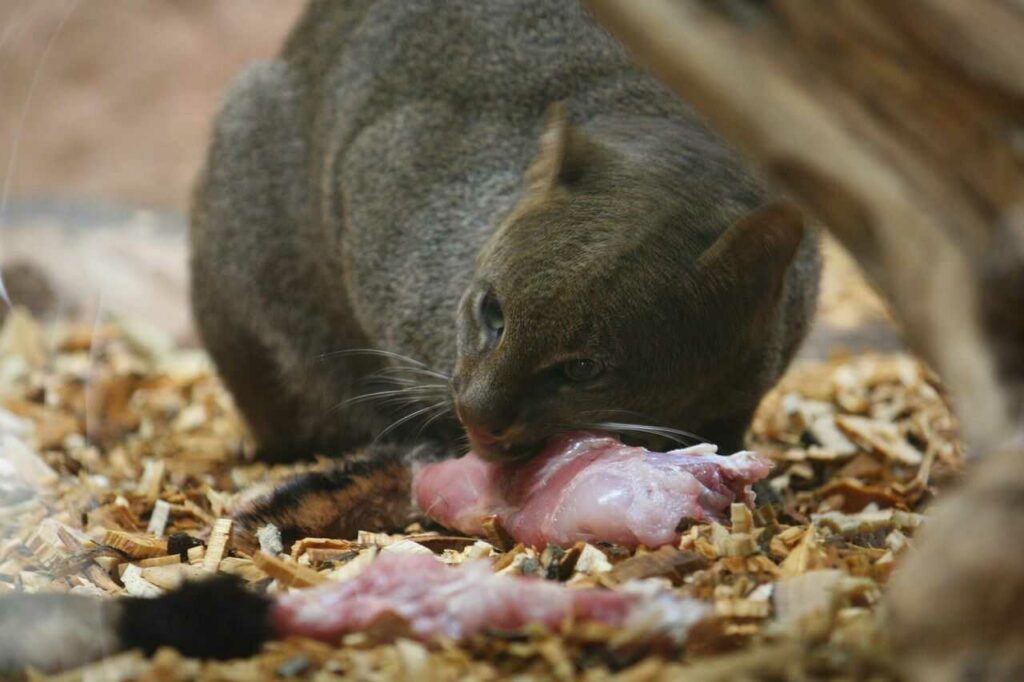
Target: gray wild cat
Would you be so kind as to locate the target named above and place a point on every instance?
(391, 182)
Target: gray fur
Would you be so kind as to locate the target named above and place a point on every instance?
(352, 183)
(52, 632)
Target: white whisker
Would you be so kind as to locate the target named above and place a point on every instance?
(407, 418)
(410, 391)
(379, 353)
(443, 410)
(676, 435)
(423, 371)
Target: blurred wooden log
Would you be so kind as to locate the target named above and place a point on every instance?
(900, 125)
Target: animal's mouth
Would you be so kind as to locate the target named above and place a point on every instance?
(499, 451)
(505, 448)
(649, 441)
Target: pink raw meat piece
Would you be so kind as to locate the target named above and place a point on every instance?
(461, 601)
(591, 487)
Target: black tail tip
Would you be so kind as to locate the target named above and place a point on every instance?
(216, 618)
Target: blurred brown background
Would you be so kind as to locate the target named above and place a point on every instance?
(116, 96)
(105, 108)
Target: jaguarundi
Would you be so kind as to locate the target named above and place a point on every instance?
(433, 225)
(396, 250)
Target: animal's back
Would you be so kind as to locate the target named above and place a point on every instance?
(516, 56)
(352, 183)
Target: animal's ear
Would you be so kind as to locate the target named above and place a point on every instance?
(564, 153)
(749, 261)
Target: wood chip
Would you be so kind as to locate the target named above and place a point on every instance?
(196, 555)
(168, 560)
(220, 538)
(288, 573)
(366, 538)
(170, 576)
(136, 545)
(853, 496)
(406, 546)
(805, 556)
(439, 543)
(666, 561)
(738, 545)
(592, 561)
(22, 337)
(839, 512)
(805, 604)
(136, 585)
(152, 480)
(351, 569)
(495, 533)
(158, 519)
(246, 569)
(318, 556)
(45, 551)
(300, 547)
(831, 441)
(742, 608)
(742, 518)
(849, 525)
(882, 437)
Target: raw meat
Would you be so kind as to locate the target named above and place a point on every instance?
(434, 599)
(591, 487)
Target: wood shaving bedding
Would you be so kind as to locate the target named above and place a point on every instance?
(122, 464)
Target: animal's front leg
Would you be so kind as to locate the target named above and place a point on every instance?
(371, 493)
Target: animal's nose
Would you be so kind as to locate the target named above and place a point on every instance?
(487, 415)
(485, 424)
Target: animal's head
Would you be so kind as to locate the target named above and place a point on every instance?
(617, 292)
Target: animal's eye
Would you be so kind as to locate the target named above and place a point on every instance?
(582, 370)
(491, 317)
